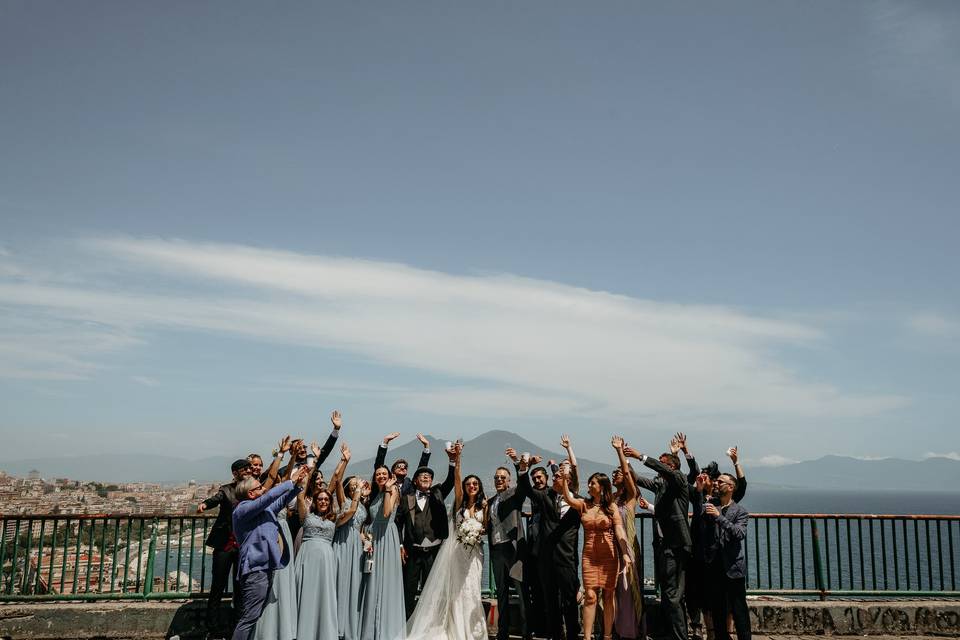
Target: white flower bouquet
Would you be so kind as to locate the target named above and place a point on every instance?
(470, 533)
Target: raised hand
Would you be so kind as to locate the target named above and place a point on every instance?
(643, 502)
(391, 482)
(630, 452)
(535, 460)
(390, 436)
(423, 441)
(674, 445)
(732, 452)
(336, 420)
(315, 449)
(345, 452)
(511, 453)
(284, 445)
(617, 442)
(302, 475)
(565, 441)
(681, 439)
(700, 482)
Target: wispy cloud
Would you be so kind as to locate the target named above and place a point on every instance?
(145, 381)
(952, 455)
(774, 460)
(530, 346)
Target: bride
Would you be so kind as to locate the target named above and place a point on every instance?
(449, 607)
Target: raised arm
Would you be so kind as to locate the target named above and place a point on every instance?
(741, 488)
(649, 484)
(629, 485)
(331, 442)
(273, 472)
(696, 496)
(303, 509)
(457, 483)
(341, 468)
(573, 501)
(693, 469)
(393, 496)
(347, 513)
(382, 450)
(425, 454)
(450, 481)
(277, 496)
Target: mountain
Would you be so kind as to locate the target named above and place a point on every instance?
(852, 474)
(483, 454)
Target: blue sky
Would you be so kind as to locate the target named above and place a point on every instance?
(222, 220)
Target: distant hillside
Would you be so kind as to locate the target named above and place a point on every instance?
(845, 473)
(483, 454)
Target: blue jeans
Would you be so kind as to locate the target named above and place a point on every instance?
(254, 588)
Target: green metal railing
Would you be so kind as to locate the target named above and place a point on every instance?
(93, 557)
(846, 555)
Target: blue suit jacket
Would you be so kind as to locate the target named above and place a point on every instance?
(257, 531)
(724, 537)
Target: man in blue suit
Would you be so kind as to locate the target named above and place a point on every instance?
(258, 534)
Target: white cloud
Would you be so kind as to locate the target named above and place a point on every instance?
(952, 455)
(773, 460)
(145, 381)
(529, 346)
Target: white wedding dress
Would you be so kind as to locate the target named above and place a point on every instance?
(450, 607)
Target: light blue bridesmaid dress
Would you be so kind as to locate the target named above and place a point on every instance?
(316, 571)
(348, 548)
(383, 613)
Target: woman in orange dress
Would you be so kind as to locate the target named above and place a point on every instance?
(601, 565)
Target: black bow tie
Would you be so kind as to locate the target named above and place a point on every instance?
(423, 494)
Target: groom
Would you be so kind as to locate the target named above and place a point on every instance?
(422, 517)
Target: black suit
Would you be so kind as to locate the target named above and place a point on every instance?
(225, 550)
(672, 548)
(505, 553)
(416, 525)
(555, 548)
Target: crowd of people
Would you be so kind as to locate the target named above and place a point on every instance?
(316, 559)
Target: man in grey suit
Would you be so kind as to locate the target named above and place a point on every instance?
(505, 537)
(723, 534)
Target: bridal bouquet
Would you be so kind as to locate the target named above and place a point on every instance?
(470, 533)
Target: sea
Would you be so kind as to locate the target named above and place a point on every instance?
(858, 554)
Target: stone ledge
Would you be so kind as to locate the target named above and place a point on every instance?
(860, 618)
(158, 620)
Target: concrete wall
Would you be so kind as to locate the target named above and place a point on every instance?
(122, 620)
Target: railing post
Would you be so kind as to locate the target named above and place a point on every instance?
(148, 577)
(817, 560)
